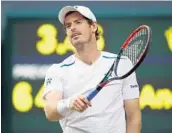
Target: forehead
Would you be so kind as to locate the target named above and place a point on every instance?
(72, 17)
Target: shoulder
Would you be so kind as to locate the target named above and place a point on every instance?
(53, 69)
(70, 61)
(108, 55)
(60, 67)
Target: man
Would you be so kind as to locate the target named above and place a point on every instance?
(68, 83)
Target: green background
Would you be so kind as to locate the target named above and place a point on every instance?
(156, 69)
(118, 19)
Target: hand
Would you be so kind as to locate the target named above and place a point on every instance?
(79, 103)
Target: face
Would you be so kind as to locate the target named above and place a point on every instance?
(78, 30)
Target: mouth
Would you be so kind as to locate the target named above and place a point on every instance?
(75, 35)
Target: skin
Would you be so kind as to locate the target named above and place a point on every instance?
(82, 37)
(85, 41)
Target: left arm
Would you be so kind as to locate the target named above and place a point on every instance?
(133, 115)
(131, 100)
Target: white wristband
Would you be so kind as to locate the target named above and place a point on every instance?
(63, 107)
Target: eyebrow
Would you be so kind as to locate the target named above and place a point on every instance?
(74, 21)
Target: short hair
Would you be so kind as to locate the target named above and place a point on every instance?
(97, 33)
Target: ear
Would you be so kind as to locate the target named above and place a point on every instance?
(94, 27)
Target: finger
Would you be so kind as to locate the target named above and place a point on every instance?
(85, 100)
(77, 107)
(81, 103)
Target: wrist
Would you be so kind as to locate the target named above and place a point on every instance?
(63, 107)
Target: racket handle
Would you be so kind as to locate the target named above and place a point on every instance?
(92, 94)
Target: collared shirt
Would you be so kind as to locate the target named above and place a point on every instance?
(107, 114)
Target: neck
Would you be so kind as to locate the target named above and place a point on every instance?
(88, 53)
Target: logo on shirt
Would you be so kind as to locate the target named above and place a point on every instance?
(48, 81)
(133, 86)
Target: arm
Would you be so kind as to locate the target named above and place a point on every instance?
(55, 106)
(53, 92)
(54, 98)
(133, 115)
(50, 108)
(131, 101)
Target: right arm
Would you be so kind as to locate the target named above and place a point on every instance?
(53, 98)
(50, 108)
(55, 106)
(52, 93)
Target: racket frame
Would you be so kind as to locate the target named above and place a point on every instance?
(105, 80)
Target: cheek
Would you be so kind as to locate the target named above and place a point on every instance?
(68, 34)
(87, 32)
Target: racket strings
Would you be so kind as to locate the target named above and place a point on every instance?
(136, 46)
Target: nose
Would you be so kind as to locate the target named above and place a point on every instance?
(73, 27)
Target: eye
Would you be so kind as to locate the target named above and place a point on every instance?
(78, 22)
(67, 26)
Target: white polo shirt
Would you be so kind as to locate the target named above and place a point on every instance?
(107, 114)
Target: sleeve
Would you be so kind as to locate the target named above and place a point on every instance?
(130, 88)
(53, 80)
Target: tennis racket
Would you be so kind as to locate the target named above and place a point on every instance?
(134, 49)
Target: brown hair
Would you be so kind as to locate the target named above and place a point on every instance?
(97, 33)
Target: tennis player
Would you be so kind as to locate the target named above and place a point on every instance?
(115, 109)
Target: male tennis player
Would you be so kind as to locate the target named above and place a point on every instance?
(115, 109)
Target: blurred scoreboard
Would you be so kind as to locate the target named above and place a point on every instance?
(38, 43)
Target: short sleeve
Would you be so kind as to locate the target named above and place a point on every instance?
(130, 88)
(53, 80)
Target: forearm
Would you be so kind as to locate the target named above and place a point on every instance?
(51, 108)
(134, 124)
(57, 108)
(51, 112)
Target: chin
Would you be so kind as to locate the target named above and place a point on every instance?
(78, 42)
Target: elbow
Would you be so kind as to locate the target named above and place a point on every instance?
(135, 118)
(51, 115)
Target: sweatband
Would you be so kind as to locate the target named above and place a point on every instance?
(63, 107)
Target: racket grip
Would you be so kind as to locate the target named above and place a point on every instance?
(92, 94)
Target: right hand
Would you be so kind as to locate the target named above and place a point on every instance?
(79, 103)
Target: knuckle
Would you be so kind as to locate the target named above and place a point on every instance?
(83, 106)
(82, 97)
